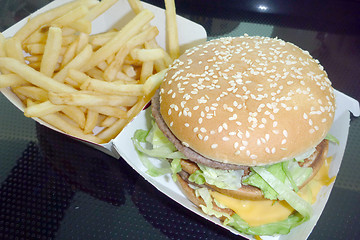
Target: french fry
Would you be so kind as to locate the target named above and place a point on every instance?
(141, 38)
(13, 49)
(109, 111)
(90, 99)
(91, 121)
(57, 121)
(2, 52)
(95, 73)
(75, 114)
(45, 18)
(129, 70)
(67, 31)
(100, 39)
(111, 132)
(39, 36)
(146, 70)
(35, 48)
(75, 81)
(171, 29)
(69, 53)
(153, 82)
(77, 76)
(123, 78)
(67, 40)
(51, 52)
(11, 80)
(102, 65)
(32, 92)
(78, 62)
(159, 64)
(42, 109)
(83, 41)
(35, 65)
(111, 88)
(99, 9)
(146, 55)
(136, 6)
(71, 16)
(72, 83)
(128, 31)
(33, 76)
(108, 121)
(81, 25)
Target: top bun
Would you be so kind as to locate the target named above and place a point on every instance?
(247, 100)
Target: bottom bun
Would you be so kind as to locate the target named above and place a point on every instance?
(198, 201)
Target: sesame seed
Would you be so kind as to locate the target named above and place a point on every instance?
(185, 144)
(285, 133)
(213, 146)
(267, 137)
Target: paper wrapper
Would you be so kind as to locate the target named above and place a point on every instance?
(192, 34)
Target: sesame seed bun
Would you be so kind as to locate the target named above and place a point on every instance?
(247, 100)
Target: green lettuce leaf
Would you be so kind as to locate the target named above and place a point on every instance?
(332, 138)
(281, 227)
(208, 208)
(225, 179)
(285, 193)
(298, 174)
(153, 143)
(197, 177)
(256, 180)
(289, 173)
(175, 167)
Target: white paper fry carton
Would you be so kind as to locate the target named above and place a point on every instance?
(191, 34)
(117, 16)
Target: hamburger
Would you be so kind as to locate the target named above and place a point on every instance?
(244, 122)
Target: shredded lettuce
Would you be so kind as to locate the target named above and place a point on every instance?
(225, 179)
(332, 138)
(208, 208)
(153, 143)
(285, 192)
(285, 168)
(175, 167)
(281, 227)
(298, 174)
(197, 177)
(256, 180)
(289, 173)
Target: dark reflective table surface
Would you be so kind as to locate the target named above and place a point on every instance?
(54, 187)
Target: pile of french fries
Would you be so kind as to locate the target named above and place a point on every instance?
(89, 86)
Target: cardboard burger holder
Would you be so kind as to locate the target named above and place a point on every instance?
(191, 34)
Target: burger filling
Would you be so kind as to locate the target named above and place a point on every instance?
(278, 182)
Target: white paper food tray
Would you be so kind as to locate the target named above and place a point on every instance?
(190, 33)
(165, 184)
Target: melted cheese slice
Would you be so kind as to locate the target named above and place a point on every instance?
(257, 213)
